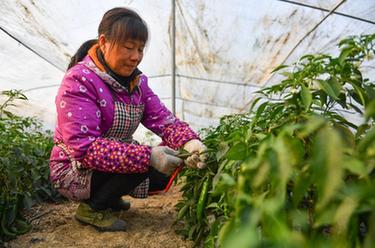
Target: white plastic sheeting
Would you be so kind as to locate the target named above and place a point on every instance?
(225, 50)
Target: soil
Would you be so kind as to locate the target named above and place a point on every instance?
(150, 225)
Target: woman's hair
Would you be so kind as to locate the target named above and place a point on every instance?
(117, 25)
(121, 24)
(81, 52)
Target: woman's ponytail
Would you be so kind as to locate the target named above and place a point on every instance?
(81, 52)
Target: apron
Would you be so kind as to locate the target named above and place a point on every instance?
(77, 182)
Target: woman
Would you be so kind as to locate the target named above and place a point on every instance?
(101, 101)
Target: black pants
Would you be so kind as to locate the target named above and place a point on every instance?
(109, 187)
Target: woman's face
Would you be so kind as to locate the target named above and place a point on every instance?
(122, 58)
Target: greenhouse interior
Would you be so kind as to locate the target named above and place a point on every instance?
(261, 130)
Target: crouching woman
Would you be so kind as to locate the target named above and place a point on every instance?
(102, 99)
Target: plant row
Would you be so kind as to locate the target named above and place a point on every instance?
(24, 170)
(295, 170)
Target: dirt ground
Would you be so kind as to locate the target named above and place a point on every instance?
(150, 225)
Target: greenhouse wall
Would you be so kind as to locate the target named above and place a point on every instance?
(225, 50)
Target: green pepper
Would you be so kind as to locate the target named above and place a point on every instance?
(4, 226)
(183, 154)
(202, 201)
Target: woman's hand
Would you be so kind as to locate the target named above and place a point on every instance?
(164, 159)
(198, 151)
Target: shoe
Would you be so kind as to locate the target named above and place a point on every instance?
(102, 220)
(120, 205)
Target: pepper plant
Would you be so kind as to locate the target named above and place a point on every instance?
(294, 171)
(24, 170)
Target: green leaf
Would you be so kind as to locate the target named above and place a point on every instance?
(370, 90)
(367, 141)
(279, 68)
(306, 97)
(343, 213)
(243, 238)
(313, 124)
(262, 174)
(277, 111)
(362, 129)
(322, 97)
(222, 150)
(237, 152)
(342, 101)
(370, 110)
(325, 217)
(307, 57)
(344, 55)
(289, 154)
(346, 135)
(326, 164)
(181, 213)
(370, 237)
(355, 166)
(360, 93)
(227, 179)
(253, 104)
(302, 184)
(260, 110)
(338, 118)
(331, 87)
(213, 205)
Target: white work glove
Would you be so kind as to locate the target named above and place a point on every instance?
(164, 159)
(195, 147)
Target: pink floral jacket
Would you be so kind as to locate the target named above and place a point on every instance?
(85, 111)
